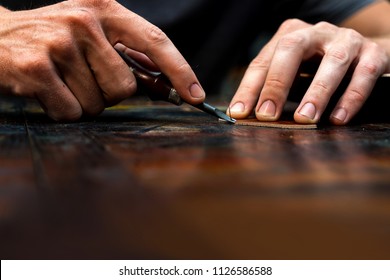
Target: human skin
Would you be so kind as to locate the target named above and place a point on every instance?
(63, 55)
(265, 86)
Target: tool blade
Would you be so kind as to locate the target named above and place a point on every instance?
(214, 111)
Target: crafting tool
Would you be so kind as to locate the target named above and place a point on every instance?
(160, 88)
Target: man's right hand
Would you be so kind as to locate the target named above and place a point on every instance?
(63, 56)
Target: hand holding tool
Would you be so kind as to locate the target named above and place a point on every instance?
(160, 88)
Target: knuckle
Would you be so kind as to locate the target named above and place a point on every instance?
(354, 39)
(357, 96)
(64, 49)
(339, 55)
(33, 74)
(244, 89)
(352, 35)
(155, 35)
(370, 69)
(259, 63)
(125, 88)
(376, 63)
(183, 67)
(275, 83)
(81, 20)
(291, 41)
(323, 25)
(320, 87)
(101, 4)
(291, 24)
(34, 66)
(376, 49)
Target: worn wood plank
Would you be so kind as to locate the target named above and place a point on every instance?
(157, 181)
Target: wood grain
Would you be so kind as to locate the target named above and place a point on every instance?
(143, 181)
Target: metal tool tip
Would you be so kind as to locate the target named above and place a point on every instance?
(214, 111)
(224, 117)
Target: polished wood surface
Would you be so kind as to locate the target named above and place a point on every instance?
(156, 181)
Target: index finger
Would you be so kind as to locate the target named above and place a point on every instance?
(135, 32)
(258, 73)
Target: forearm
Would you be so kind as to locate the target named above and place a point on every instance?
(373, 23)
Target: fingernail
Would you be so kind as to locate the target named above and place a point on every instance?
(196, 91)
(308, 110)
(267, 109)
(238, 107)
(339, 114)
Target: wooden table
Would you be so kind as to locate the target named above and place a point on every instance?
(164, 182)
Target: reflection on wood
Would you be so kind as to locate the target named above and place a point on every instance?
(157, 181)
